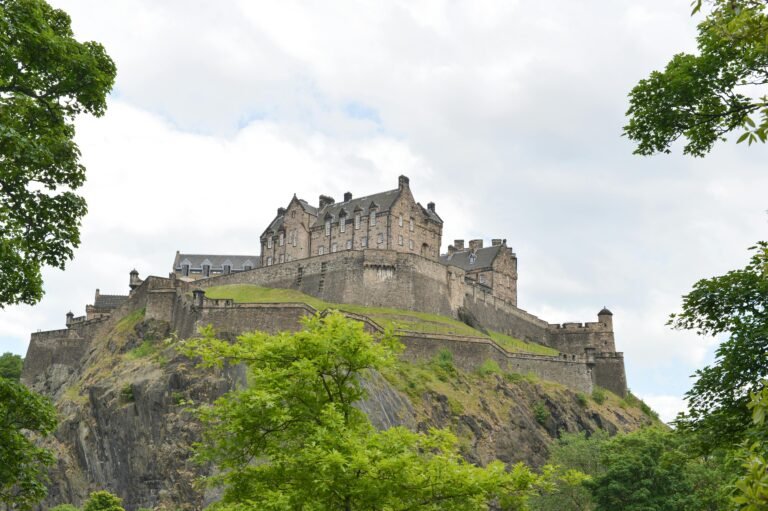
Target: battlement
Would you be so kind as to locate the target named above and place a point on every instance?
(578, 326)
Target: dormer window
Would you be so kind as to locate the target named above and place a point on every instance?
(282, 239)
(342, 224)
(269, 241)
(357, 220)
(472, 258)
(227, 269)
(206, 270)
(185, 270)
(328, 227)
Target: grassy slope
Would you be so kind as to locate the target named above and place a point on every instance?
(388, 318)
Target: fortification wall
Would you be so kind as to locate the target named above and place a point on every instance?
(609, 372)
(576, 337)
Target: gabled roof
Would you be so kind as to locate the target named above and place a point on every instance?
(109, 301)
(430, 214)
(383, 202)
(483, 258)
(217, 261)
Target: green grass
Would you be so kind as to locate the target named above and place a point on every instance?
(126, 324)
(518, 346)
(143, 350)
(397, 319)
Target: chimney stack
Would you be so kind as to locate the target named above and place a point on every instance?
(459, 244)
(451, 250)
(496, 242)
(475, 244)
(70, 317)
(431, 207)
(403, 182)
(326, 200)
(280, 211)
(347, 196)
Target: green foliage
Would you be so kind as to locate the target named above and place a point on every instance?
(10, 366)
(489, 367)
(734, 305)
(64, 507)
(752, 487)
(653, 469)
(598, 395)
(294, 440)
(519, 346)
(444, 360)
(514, 377)
(22, 464)
(47, 78)
(126, 393)
(143, 350)
(582, 399)
(540, 412)
(702, 97)
(129, 322)
(103, 501)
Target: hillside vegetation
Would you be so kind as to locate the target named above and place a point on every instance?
(397, 319)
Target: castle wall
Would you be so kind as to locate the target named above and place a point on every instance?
(496, 314)
(609, 372)
(576, 337)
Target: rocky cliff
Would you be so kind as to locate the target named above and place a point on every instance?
(126, 425)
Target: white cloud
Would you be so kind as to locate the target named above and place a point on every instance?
(665, 405)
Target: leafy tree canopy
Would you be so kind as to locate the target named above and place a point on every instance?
(702, 97)
(22, 464)
(11, 366)
(46, 79)
(734, 305)
(294, 440)
(103, 501)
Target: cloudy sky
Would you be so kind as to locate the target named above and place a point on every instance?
(507, 114)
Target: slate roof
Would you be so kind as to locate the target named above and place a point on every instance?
(109, 301)
(217, 261)
(383, 201)
(483, 258)
(431, 214)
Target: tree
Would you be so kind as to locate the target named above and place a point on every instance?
(294, 440)
(47, 78)
(702, 97)
(23, 414)
(103, 501)
(752, 487)
(11, 366)
(734, 305)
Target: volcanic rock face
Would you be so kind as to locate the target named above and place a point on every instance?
(126, 425)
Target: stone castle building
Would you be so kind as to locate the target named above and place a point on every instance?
(381, 250)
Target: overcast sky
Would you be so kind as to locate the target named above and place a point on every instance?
(507, 114)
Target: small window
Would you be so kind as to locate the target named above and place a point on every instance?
(282, 239)
(364, 242)
(247, 267)
(381, 237)
(328, 227)
(410, 244)
(185, 270)
(321, 250)
(282, 258)
(373, 217)
(349, 244)
(400, 240)
(472, 258)
(206, 270)
(289, 259)
(227, 269)
(481, 278)
(357, 220)
(293, 214)
(269, 261)
(342, 224)
(334, 247)
(400, 221)
(411, 227)
(269, 241)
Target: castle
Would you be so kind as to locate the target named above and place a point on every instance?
(381, 250)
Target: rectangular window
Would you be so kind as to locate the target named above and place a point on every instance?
(400, 240)
(206, 270)
(320, 250)
(227, 269)
(269, 242)
(400, 221)
(349, 244)
(282, 239)
(357, 220)
(247, 267)
(289, 259)
(185, 270)
(342, 224)
(381, 237)
(411, 227)
(269, 261)
(327, 227)
(410, 244)
(373, 217)
(364, 242)
(282, 258)
(334, 248)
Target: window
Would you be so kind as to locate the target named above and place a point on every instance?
(481, 278)
(269, 241)
(294, 237)
(289, 259)
(373, 217)
(227, 269)
(411, 227)
(185, 270)
(364, 242)
(381, 237)
(269, 261)
(357, 220)
(342, 224)
(400, 240)
(282, 258)
(328, 227)
(349, 244)
(472, 258)
(400, 221)
(247, 267)
(321, 250)
(206, 270)
(334, 247)
(293, 214)
(410, 244)
(282, 238)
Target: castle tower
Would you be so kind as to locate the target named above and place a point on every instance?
(606, 317)
(134, 281)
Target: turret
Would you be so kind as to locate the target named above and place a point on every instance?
(403, 182)
(606, 317)
(134, 281)
(70, 318)
(197, 297)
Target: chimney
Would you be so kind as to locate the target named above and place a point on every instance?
(451, 250)
(496, 242)
(97, 294)
(459, 244)
(403, 182)
(475, 244)
(431, 207)
(326, 200)
(280, 211)
(347, 196)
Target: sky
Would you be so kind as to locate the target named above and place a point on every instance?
(507, 114)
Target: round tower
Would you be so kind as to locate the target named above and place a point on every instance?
(606, 317)
(134, 281)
